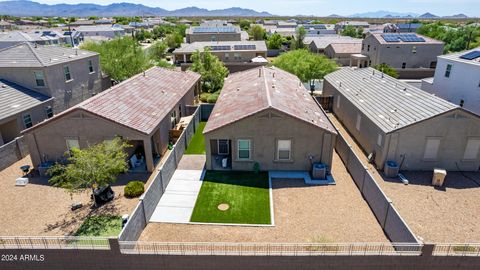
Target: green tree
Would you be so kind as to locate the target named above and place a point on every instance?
(244, 24)
(90, 168)
(157, 51)
(142, 35)
(352, 32)
(174, 40)
(212, 70)
(120, 58)
(299, 37)
(456, 38)
(275, 42)
(305, 65)
(257, 32)
(387, 70)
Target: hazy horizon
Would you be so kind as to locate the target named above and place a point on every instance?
(310, 7)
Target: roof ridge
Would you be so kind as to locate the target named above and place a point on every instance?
(269, 100)
(34, 53)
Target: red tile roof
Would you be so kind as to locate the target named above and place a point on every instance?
(246, 93)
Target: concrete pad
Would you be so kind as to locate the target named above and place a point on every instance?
(171, 214)
(301, 175)
(178, 200)
(190, 175)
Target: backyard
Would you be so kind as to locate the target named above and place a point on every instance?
(233, 197)
(197, 143)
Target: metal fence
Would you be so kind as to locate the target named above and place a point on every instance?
(48, 242)
(464, 249)
(271, 249)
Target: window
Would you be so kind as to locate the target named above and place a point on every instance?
(338, 102)
(227, 55)
(27, 120)
(363, 47)
(237, 56)
(284, 148)
(39, 78)
(90, 66)
(244, 149)
(414, 49)
(66, 72)
(404, 65)
(214, 38)
(431, 148)
(173, 118)
(472, 148)
(379, 140)
(368, 48)
(49, 111)
(448, 70)
(72, 143)
(433, 65)
(359, 121)
(223, 147)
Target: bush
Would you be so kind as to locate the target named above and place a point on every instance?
(134, 189)
(209, 97)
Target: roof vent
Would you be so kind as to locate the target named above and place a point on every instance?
(259, 72)
(4, 86)
(238, 89)
(340, 83)
(273, 75)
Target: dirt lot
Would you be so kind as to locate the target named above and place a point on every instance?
(302, 214)
(40, 209)
(447, 214)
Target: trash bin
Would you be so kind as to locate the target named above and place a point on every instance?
(438, 177)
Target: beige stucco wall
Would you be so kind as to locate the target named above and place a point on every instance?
(264, 129)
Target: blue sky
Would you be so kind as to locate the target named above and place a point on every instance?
(312, 7)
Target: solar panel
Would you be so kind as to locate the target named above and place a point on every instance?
(471, 55)
(244, 47)
(220, 48)
(227, 29)
(402, 37)
(390, 38)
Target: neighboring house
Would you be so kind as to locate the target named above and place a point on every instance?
(69, 75)
(141, 110)
(339, 27)
(4, 25)
(318, 44)
(266, 116)
(78, 23)
(401, 123)
(72, 38)
(139, 25)
(40, 37)
(104, 21)
(185, 22)
(286, 24)
(457, 79)
(402, 28)
(20, 108)
(226, 51)
(402, 51)
(213, 33)
(284, 32)
(314, 30)
(106, 31)
(342, 52)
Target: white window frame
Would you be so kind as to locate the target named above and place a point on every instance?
(434, 155)
(42, 79)
(284, 149)
(67, 139)
(47, 109)
(469, 153)
(249, 149)
(218, 147)
(65, 69)
(358, 124)
(30, 121)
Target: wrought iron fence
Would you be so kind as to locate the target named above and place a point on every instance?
(69, 242)
(462, 249)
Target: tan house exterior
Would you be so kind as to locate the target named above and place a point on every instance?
(255, 121)
(401, 123)
(213, 33)
(141, 110)
(66, 74)
(341, 53)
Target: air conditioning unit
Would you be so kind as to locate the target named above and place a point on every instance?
(319, 171)
(438, 177)
(391, 169)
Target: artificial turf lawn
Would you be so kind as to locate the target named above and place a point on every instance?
(104, 225)
(197, 143)
(247, 194)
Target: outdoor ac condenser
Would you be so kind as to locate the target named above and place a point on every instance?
(319, 171)
(391, 169)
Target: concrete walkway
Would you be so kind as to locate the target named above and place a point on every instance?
(176, 204)
(301, 175)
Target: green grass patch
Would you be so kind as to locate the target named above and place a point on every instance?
(104, 226)
(465, 249)
(197, 143)
(246, 193)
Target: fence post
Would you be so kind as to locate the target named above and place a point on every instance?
(389, 205)
(161, 180)
(365, 173)
(143, 211)
(175, 155)
(427, 250)
(114, 245)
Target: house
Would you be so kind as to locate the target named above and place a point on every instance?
(66, 74)
(72, 38)
(20, 108)
(226, 51)
(284, 32)
(213, 33)
(141, 110)
(185, 22)
(407, 27)
(286, 24)
(404, 52)
(107, 31)
(457, 79)
(78, 23)
(40, 37)
(266, 116)
(318, 44)
(340, 26)
(4, 25)
(394, 121)
(314, 30)
(342, 52)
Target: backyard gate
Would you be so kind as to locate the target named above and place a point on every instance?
(326, 102)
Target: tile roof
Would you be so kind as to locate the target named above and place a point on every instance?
(321, 42)
(140, 102)
(30, 36)
(15, 99)
(346, 48)
(246, 93)
(28, 55)
(200, 45)
(456, 57)
(389, 103)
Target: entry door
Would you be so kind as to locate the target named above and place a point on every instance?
(223, 147)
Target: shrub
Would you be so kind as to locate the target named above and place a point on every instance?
(204, 97)
(213, 97)
(134, 189)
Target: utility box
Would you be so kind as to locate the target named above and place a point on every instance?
(391, 169)
(438, 177)
(319, 171)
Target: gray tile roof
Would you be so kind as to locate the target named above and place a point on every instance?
(321, 42)
(389, 103)
(192, 47)
(246, 93)
(30, 36)
(27, 55)
(16, 99)
(456, 57)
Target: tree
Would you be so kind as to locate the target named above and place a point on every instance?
(456, 38)
(299, 37)
(305, 65)
(352, 32)
(174, 40)
(244, 24)
(157, 51)
(275, 42)
(212, 70)
(142, 35)
(257, 32)
(94, 167)
(387, 70)
(120, 58)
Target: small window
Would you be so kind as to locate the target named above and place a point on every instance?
(414, 49)
(404, 65)
(448, 70)
(284, 148)
(72, 143)
(173, 118)
(363, 47)
(39, 78)
(49, 111)
(223, 147)
(227, 55)
(237, 56)
(379, 140)
(368, 48)
(338, 102)
(359, 121)
(90, 66)
(472, 149)
(66, 72)
(27, 120)
(431, 148)
(244, 149)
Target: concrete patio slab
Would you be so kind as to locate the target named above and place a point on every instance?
(301, 175)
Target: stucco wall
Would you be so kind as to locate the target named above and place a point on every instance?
(263, 129)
